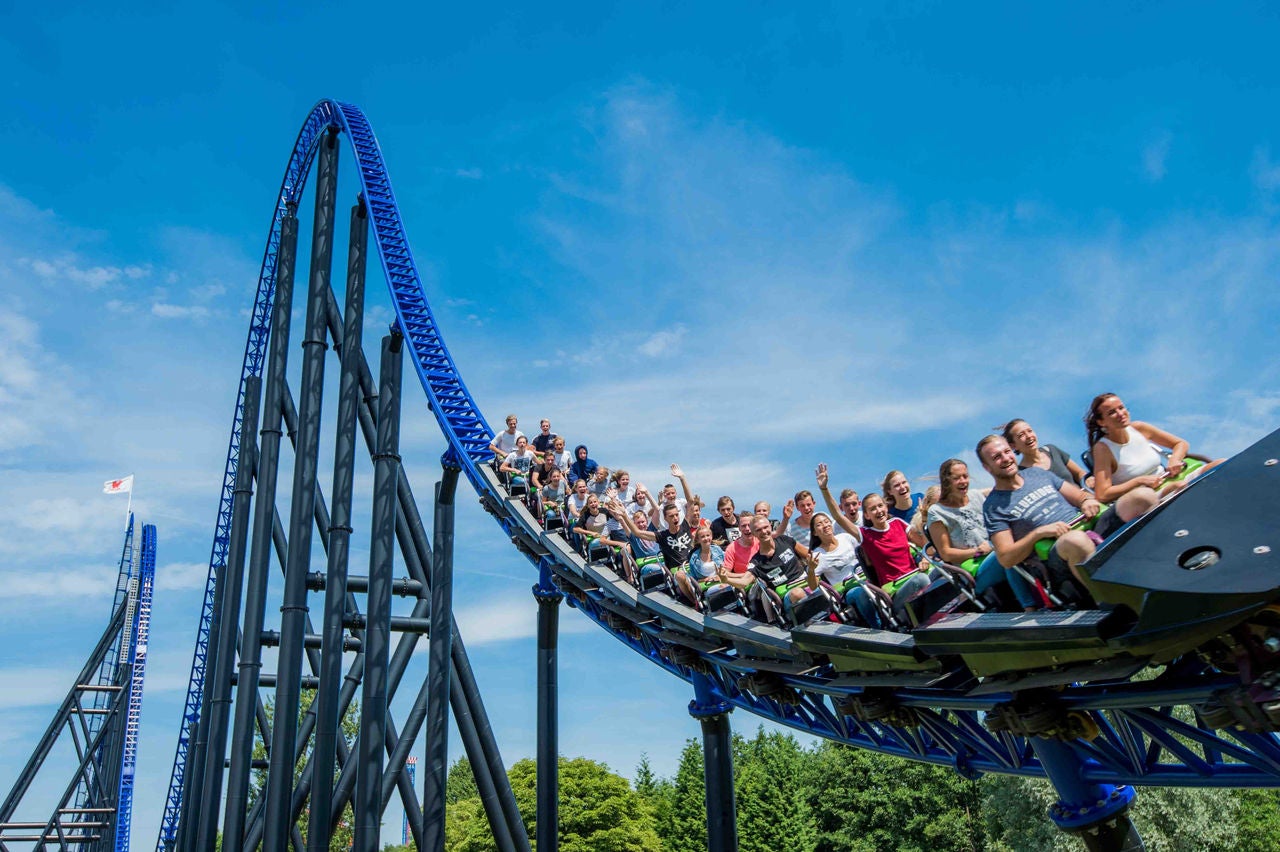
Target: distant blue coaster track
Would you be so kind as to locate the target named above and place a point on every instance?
(1142, 736)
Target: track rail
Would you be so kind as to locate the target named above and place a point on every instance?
(1142, 738)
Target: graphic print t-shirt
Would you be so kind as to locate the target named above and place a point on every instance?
(783, 566)
(676, 546)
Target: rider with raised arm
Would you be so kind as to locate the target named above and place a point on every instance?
(848, 512)
(886, 542)
(798, 527)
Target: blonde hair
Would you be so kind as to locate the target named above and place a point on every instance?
(931, 496)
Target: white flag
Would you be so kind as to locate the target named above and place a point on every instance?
(118, 486)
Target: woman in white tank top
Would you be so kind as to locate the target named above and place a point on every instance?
(1126, 452)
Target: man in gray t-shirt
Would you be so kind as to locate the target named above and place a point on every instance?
(1026, 506)
(1034, 503)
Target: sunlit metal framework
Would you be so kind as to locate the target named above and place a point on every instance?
(1139, 732)
(97, 723)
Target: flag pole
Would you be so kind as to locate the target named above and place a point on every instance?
(129, 508)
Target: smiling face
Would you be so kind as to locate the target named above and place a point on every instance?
(762, 509)
(875, 511)
(556, 476)
(805, 505)
(593, 504)
(623, 480)
(580, 487)
(702, 536)
(640, 519)
(559, 445)
(1022, 437)
(511, 424)
(959, 476)
(823, 527)
(762, 529)
(744, 525)
(998, 458)
(899, 486)
(1113, 416)
(545, 425)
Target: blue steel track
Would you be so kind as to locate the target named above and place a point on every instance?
(1146, 735)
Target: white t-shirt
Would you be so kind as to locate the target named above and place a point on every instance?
(506, 441)
(563, 460)
(836, 566)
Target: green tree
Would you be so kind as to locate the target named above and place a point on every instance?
(1257, 820)
(344, 834)
(863, 801)
(599, 812)
(1169, 818)
(461, 782)
(685, 828)
(658, 792)
(771, 794)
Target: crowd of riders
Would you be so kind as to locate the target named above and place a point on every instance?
(872, 560)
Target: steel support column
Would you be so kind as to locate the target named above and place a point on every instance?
(712, 711)
(328, 722)
(548, 783)
(293, 612)
(268, 458)
(230, 585)
(438, 652)
(377, 639)
(1096, 813)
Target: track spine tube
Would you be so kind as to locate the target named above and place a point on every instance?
(373, 709)
(268, 458)
(197, 756)
(293, 611)
(548, 778)
(328, 723)
(712, 711)
(230, 586)
(436, 769)
(1096, 813)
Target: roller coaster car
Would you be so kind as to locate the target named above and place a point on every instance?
(1202, 569)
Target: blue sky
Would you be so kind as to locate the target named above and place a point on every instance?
(740, 237)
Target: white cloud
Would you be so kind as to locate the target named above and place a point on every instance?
(504, 620)
(181, 576)
(1265, 173)
(34, 686)
(165, 310)
(1155, 157)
